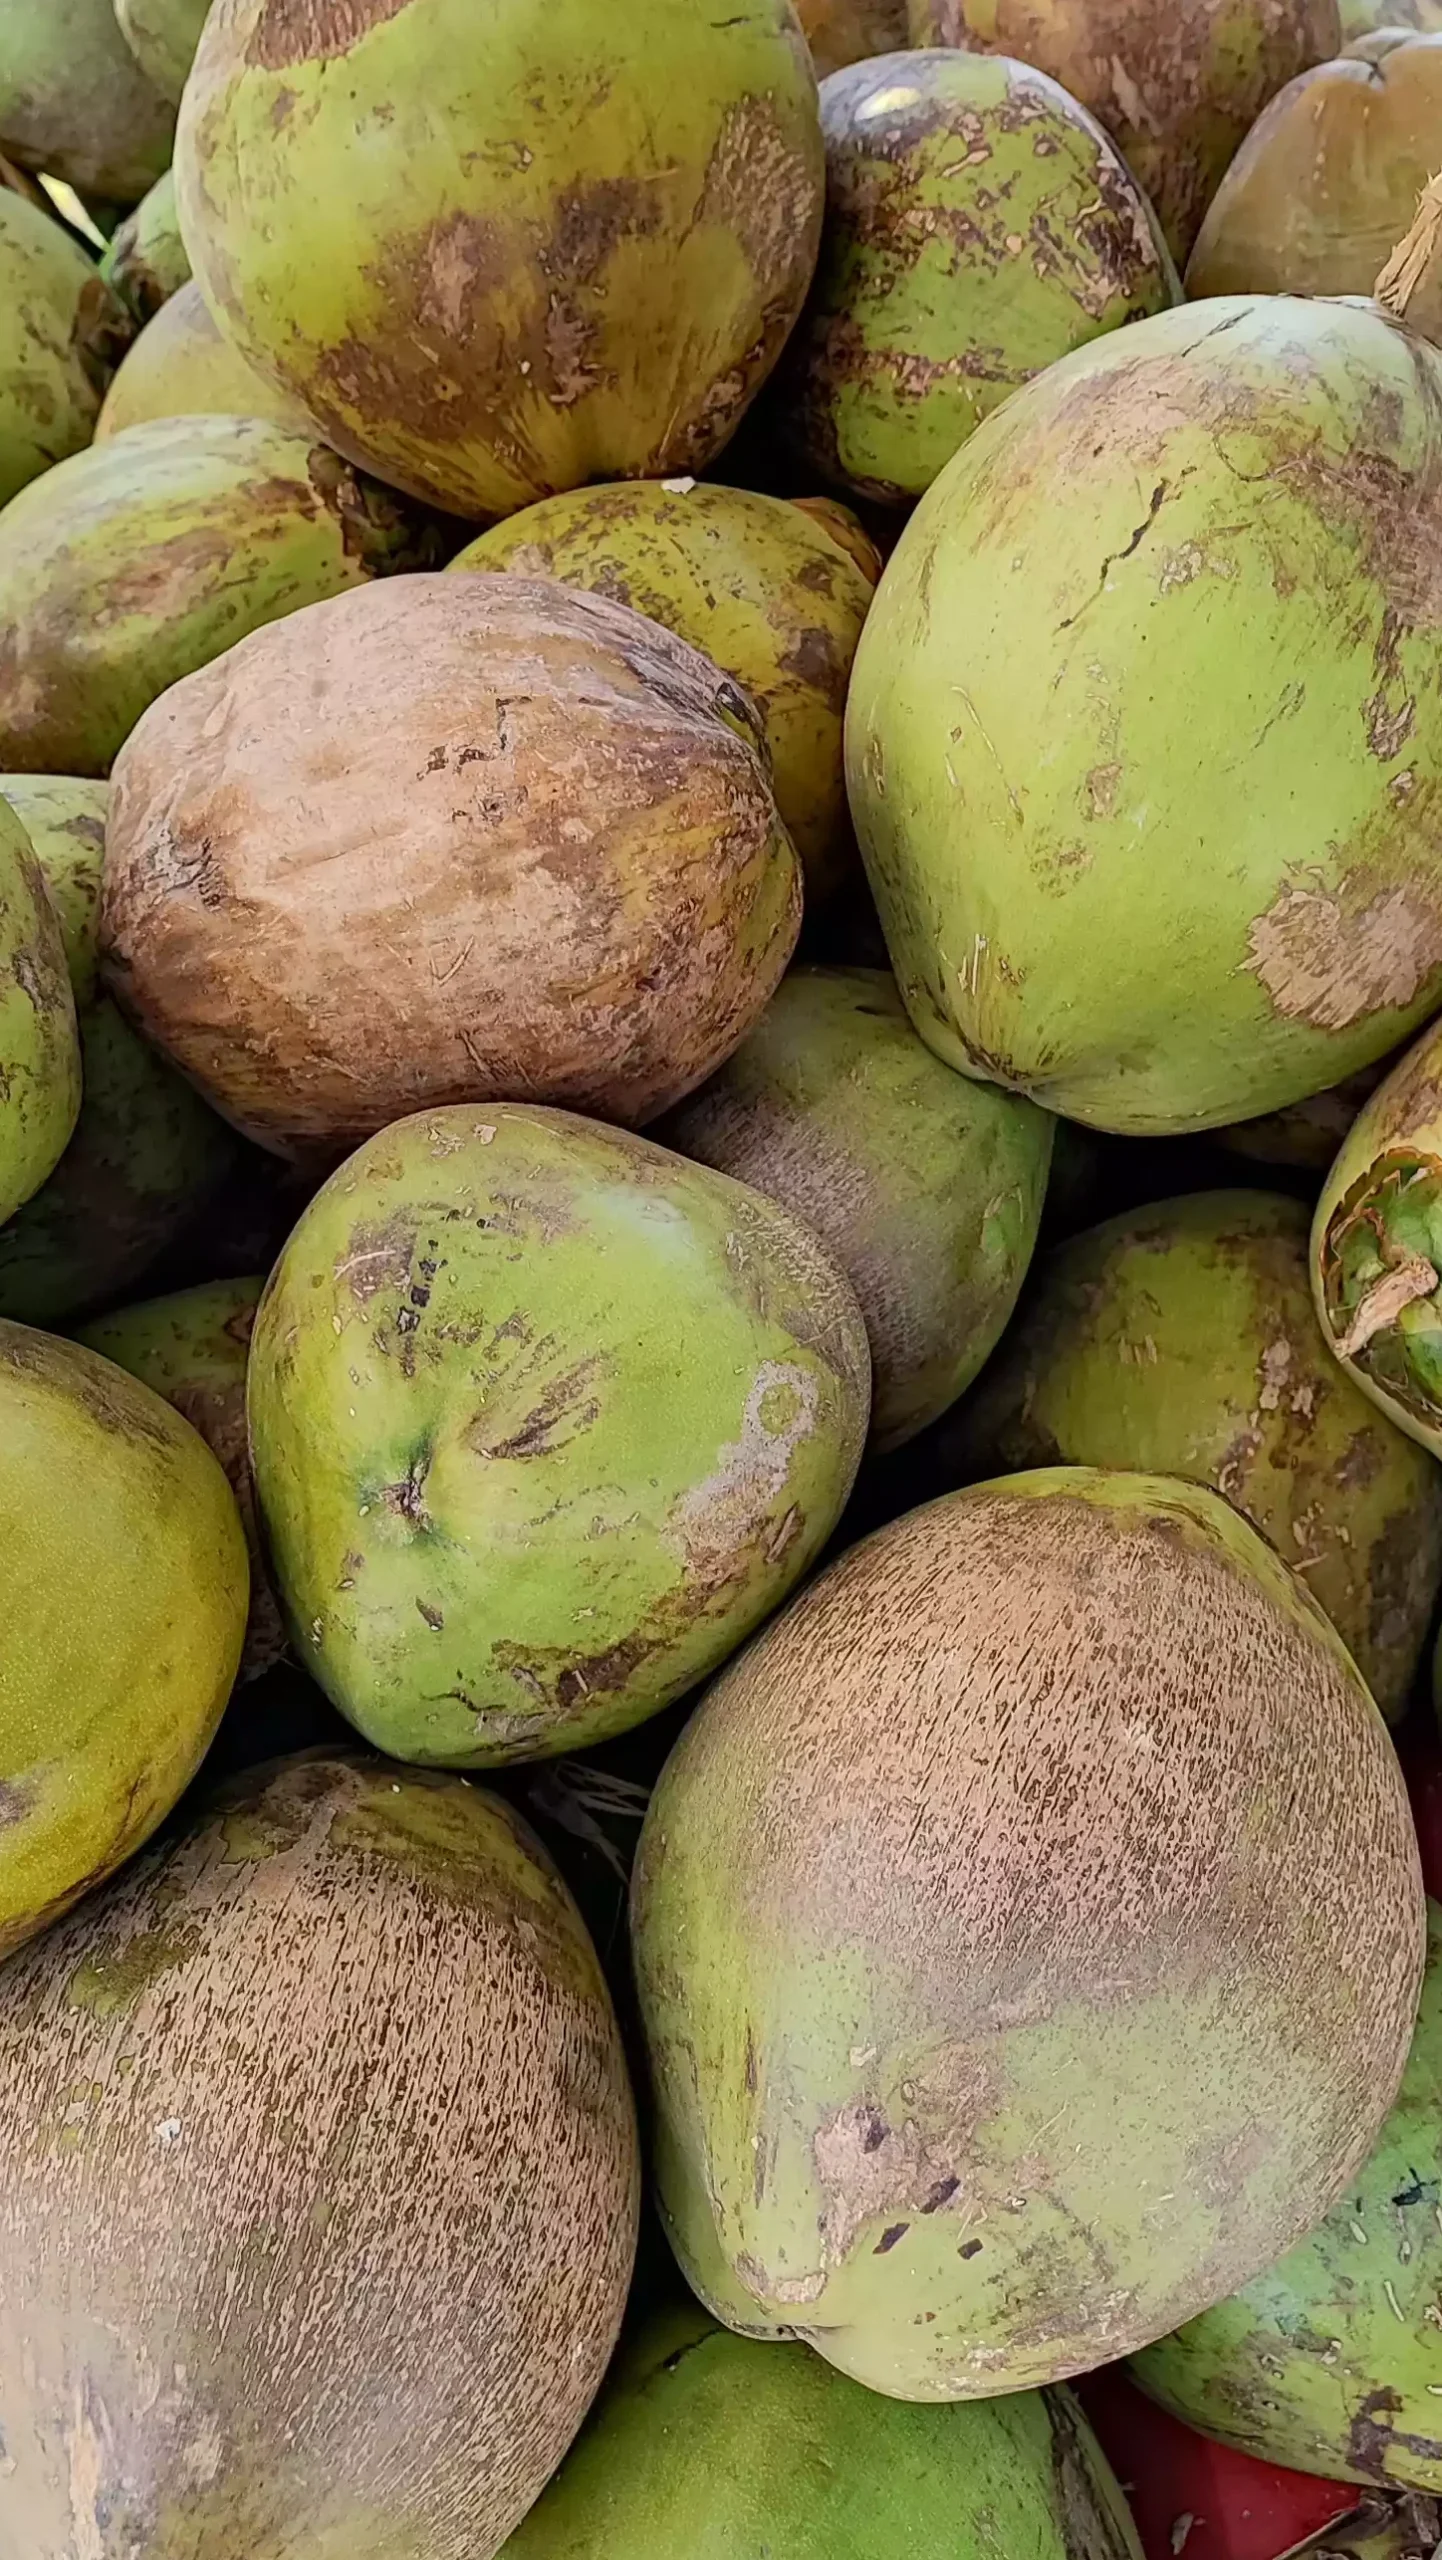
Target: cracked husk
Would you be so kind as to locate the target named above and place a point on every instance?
(1143, 743)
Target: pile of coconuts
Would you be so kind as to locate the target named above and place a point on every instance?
(720, 1280)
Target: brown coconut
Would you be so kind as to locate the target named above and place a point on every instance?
(483, 837)
(1176, 85)
(320, 2184)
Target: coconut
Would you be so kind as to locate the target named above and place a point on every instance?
(461, 838)
(1176, 89)
(757, 583)
(146, 1155)
(703, 2441)
(39, 1040)
(1377, 1246)
(1005, 2000)
(74, 102)
(335, 2246)
(1328, 178)
(843, 31)
(192, 1348)
(564, 249)
(146, 261)
(61, 332)
(151, 554)
(544, 1420)
(163, 35)
(1180, 1340)
(926, 1189)
(180, 366)
(1329, 2362)
(979, 226)
(125, 1609)
(1143, 929)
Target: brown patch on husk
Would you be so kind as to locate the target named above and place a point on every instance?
(1143, 73)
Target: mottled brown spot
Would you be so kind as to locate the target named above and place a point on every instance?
(290, 32)
(1331, 959)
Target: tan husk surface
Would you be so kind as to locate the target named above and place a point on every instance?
(320, 2193)
(460, 838)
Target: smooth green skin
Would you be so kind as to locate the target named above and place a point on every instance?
(74, 102)
(704, 2446)
(53, 314)
(154, 552)
(125, 1610)
(569, 244)
(163, 35)
(147, 1152)
(180, 366)
(979, 226)
(1328, 179)
(1332, 2362)
(757, 584)
(39, 1039)
(1380, 1211)
(146, 261)
(1176, 88)
(925, 1188)
(192, 1347)
(1142, 739)
(1180, 1340)
(543, 1420)
(770, 2011)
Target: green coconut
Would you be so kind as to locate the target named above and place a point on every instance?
(707, 2446)
(979, 226)
(1180, 1340)
(180, 366)
(843, 31)
(320, 2183)
(147, 1154)
(1328, 179)
(125, 1610)
(74, 102)
(1028, 1931)
(570, 242)
(926, 1188)
(757, 583)
(1176, 88)
(1331, 2362)
(61, 333)
(163, 35)
(1377, 1246)
(146, 261)
(153, 553)
(544, 1420)
(39, 1039)
(1088, 892)
(192, 1348)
